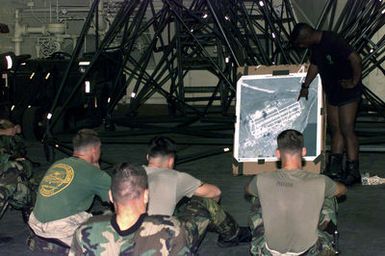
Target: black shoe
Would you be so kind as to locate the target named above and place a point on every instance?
(353, 175)
(350, 180)
(334, 167)
(243, 236)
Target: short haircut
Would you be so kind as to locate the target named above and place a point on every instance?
(85, 138)
(128, 182)
(161, 146)
(300, 32)
(6, 124)
(290, 141)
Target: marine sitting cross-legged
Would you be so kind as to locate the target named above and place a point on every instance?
(167, 188)
(67, 190)
(294, 207)
(16, 185)
(130, 231)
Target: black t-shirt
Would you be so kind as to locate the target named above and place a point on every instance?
(331, 57)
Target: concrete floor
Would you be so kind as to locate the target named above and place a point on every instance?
(361, 216)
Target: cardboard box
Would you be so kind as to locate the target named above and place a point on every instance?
(253, 168)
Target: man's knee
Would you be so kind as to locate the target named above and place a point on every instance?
(335, 130)
(205, 207)
(208, 211)
(347, 128)
(195, 214)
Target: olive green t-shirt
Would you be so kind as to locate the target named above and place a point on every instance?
(291, 203)
(69, 187)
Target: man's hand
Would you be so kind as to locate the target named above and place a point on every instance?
(347, 83)
(10, 131)
(303, 93)
(17, 129)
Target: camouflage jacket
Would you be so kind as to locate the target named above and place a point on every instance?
(149, 236)
(14, 146)
(15, 173)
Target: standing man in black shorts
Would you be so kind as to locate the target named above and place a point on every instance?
(340, 70)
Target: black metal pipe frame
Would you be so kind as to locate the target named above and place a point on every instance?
(91, 65)
(126, 33)
(246, 31)
(140, 76)
(74, 58)
(235, 58)
(154, 72)
(248, 26)
(267, 14)
(215, 65)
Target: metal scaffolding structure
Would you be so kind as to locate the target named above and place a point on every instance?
(216, 36)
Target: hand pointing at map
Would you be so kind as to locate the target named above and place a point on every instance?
(304, 92)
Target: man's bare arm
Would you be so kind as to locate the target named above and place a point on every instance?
(311, 74)
(209, 191)
(355, 62)
(247, 190)
(8, 131)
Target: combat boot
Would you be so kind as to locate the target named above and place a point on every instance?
(334, 167)
(230, 234)
(243, 235)
(352, 173)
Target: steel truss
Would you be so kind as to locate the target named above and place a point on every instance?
(213, 35)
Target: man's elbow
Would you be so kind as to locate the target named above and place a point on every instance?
(214, 192)
(217, 192)
(341, 189)
(246, 189)
(208, 191)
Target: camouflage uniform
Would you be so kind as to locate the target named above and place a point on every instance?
(15, 173)
(323, 246)
(201, 214)
(149, 236)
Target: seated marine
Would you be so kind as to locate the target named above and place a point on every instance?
(130, 231)
(67, 191)
(168, 188)
(16, 186)
(294, 208)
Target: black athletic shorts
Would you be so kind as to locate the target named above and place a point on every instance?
(339, 96)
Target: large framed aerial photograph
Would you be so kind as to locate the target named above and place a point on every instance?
(266, 105)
